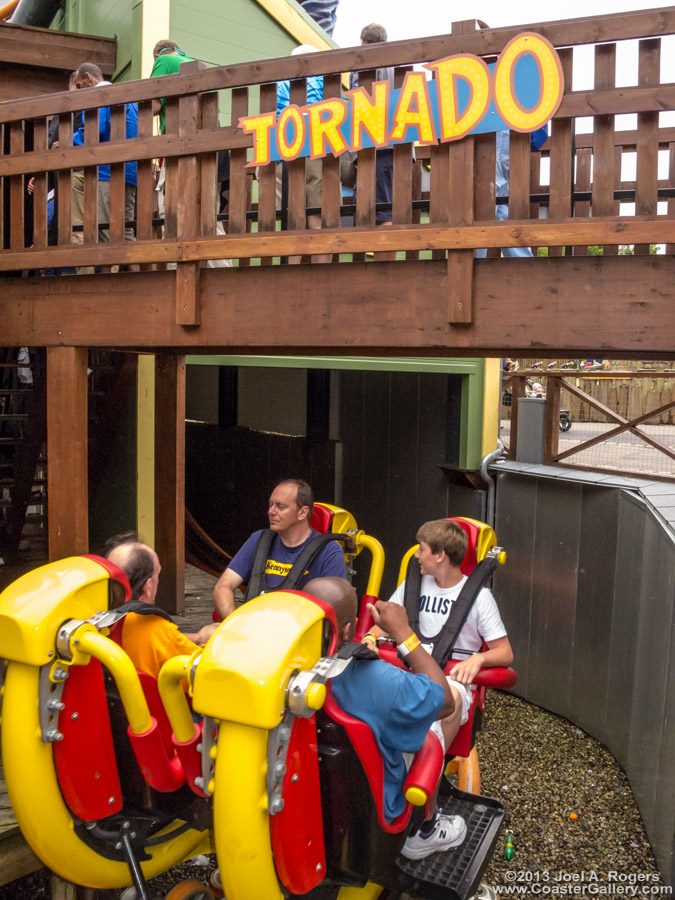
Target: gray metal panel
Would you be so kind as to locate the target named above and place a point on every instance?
(651, 668)
(514, 517)
(595, 589)
(554, 592)
(663, 833)
(531, 422)
(623, 626)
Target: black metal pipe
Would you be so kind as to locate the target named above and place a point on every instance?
(38, 13)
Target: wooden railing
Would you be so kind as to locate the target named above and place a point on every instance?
(450, 218)
(606, 429)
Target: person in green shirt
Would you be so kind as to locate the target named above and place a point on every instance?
(168, 59)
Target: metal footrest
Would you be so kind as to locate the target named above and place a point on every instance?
(455, 874)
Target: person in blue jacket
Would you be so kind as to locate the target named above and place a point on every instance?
(89, 75)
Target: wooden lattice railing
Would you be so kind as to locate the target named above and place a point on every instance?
(449, 215)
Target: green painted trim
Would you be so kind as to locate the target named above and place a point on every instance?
(451, 366)
(472, 418)
(473, 383)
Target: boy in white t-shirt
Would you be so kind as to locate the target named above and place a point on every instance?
(443, 545)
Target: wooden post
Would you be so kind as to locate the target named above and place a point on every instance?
(67, 451)
(460, 189)
(552, 422)
(170, 480)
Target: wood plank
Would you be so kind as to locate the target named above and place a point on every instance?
(187, 293)
(16, 189)
(561, 165)
(237, 206)
(145, 187)
(40, 189)
(170, 479)
(366, 170)
(331, 190)
(552, 419)
(209, 186)
(67, 451)
(296, 218)
(519, 176)
(378, 307)
(584, 30)
(544, 232)
(460, 262)
(604, 148)
(582, 208)
(649, 68)
(91, 135)
(17, 858)
(118, 129)
(64, 176)
(670, 248)
(172, 189)
(267, 215)
(28, 46)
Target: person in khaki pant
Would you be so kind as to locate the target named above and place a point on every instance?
(90, 75)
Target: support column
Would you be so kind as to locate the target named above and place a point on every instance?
(68, 493)
(170, 480)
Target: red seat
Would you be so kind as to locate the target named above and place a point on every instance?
(424, 772)
(321, 519)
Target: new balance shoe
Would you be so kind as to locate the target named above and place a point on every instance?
(448, 832)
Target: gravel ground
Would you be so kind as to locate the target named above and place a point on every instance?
(544, 771)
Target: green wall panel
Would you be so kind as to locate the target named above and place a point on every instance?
(119, 19)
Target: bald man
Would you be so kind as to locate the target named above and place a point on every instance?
(149, 639)
(399, 706)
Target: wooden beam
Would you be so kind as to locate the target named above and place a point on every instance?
(170, 479)
(514, 233)
(522, 306)
(17, 857)
(41, 47)
(67, 451)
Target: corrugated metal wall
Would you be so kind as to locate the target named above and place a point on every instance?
(588, 597)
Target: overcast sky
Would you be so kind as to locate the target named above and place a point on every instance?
(404, 19)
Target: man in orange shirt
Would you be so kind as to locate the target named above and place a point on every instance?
(149, 638)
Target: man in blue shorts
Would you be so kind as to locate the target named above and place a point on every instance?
(400, 707)
(289, 511)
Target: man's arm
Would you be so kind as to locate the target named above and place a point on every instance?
(223, 592)
(499, 653)
(394, 620)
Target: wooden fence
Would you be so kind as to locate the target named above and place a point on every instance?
(453, 217)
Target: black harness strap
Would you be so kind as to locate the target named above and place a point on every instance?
(145, 609)
(412, 591)
(356, 650)
(446, 638)
(256, 582)
(307, 556)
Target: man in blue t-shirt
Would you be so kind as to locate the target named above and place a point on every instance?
(400, 706)
(289, 510)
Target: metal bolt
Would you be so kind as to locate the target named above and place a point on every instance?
(297, 690)
(59, 674)
(294, 779)
(126, 825)
(51, 653)
(199, 748)
(277, 805)
(118, 845)
(199, 781)
(53, 735)
(279, 769)
(111, 800)
(75, 716)
(319, 867)
(55, 705)
(284, 733)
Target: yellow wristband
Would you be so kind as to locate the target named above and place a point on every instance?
(409, 644)
(369, 636)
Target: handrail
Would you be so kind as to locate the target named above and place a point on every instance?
(563, 33)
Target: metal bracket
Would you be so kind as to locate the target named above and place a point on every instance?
(50, 688)
(277, 751)
(209, 737)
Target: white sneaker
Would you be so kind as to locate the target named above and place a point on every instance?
(449, 832)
